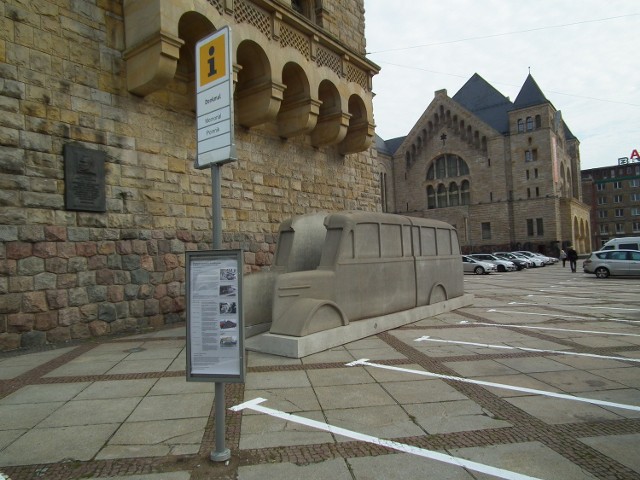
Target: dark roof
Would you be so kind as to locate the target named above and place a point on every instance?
(530, 94)
(567, 133)
(487, 103)
(388, 146)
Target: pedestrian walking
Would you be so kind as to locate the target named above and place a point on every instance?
(563, 257)
(572, 255)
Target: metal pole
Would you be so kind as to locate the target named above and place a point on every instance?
(216, 197)
(221, 453)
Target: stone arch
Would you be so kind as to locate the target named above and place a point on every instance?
(154, 41)
(331, 126)
(257, 96)
(360, 131)
(569, 183)
(298, 112)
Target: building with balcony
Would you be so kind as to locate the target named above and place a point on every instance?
(110, 87)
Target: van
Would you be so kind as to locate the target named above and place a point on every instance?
(625, 243)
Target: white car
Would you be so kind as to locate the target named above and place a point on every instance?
(502, 264)
(537, 261)
(471, 265)
(613, 262)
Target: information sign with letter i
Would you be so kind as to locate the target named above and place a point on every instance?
(214, 100)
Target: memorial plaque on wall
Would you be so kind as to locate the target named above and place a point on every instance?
(84, 182)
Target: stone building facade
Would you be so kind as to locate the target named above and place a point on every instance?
(506, 174)
(117, 77)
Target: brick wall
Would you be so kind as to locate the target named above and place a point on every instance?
(68, 275)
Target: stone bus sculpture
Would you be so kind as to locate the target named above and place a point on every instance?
(333, 271)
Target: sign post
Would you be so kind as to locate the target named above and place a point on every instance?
(214, 100)
(215, 140)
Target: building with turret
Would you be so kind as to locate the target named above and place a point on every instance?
(506, 174)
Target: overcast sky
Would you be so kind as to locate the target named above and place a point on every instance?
(583, 54)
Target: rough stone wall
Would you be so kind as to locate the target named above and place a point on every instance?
(66, 274)
(346, 22)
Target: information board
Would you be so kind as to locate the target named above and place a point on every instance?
(215, 329)
(214, 99)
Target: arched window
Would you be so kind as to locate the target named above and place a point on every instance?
(449, 193)
(538, 121)
(529, 124)
(431, 175)
(442, 196)
(441, 167)
(464, 193)
(454, 199)
(452, 166)
(431, 197)
(463, 168)
(520, 126)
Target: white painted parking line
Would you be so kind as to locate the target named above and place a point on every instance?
(549, 328)
(575, 306)
(558, 296)
(565, 316)
(604, 403)
(427, 338)
(401, 447)
(617, 292)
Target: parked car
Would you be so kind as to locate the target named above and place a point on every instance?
(547, 259)
(520, 263)
(613, 262)
(501, 264)
(471, 265)
(539, 262)
(624, 243)
(531, 263)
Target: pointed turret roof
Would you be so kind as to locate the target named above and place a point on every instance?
(483, 100)
(530, 94)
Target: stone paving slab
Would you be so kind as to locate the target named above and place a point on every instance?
(531, 458)
(80, 442)
(120, 408)
(555, 411)
(623, 448)
(386, 421)
(453, 416)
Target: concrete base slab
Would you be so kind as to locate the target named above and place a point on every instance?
(298, 347)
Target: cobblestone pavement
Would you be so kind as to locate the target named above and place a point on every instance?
(121, 408)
